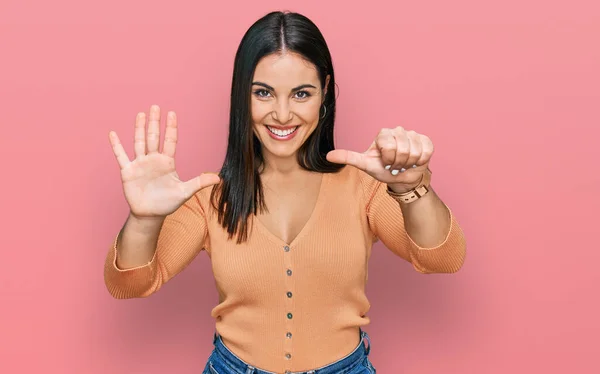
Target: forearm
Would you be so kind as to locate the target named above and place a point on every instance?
(137, 242)
(426, 220)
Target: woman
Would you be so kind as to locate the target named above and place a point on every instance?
(289, 222)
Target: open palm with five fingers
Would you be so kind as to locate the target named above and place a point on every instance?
(151, 185)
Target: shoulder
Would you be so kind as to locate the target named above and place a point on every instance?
(202, 199)
(356, 182)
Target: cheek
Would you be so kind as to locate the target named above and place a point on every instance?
(310, 113)
(258, 111)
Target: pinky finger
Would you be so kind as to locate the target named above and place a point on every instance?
(118, 150)
(426, 152)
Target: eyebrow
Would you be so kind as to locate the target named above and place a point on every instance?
(293, 89)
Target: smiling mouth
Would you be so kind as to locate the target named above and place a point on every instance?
(282, 133)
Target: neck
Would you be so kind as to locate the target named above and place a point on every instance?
(279, 165)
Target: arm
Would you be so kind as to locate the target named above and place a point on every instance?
(424, 232)
(146, 254)
(426, 220)
(398, 158)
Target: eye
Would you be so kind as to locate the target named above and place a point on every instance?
(262, 93)
(302, 94)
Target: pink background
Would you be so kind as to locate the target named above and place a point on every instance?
(508, 92)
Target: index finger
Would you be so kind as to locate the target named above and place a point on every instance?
(386, 144)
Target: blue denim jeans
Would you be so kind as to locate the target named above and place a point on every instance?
(223, 361)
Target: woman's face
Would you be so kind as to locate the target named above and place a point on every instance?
(286, 102)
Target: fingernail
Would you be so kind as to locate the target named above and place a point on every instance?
(388, 167)
(414, 166)
(402, 170)
(395, 172)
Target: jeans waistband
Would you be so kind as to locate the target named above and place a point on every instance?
(349, 361)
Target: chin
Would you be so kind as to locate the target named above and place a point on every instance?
(280, 150)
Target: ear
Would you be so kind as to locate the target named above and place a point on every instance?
(326, 86)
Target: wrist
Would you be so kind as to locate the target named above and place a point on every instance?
(401, 188)
(408, 193)
(145, 224)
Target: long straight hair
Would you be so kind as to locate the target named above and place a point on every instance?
(240, 193)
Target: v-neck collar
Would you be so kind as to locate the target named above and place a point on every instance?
(315, 212)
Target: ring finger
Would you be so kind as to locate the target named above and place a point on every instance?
(416, 149)
(403, 146)
(139, 137)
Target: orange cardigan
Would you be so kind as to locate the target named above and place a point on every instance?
(290, 306)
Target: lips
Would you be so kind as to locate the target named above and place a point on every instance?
(282, 132)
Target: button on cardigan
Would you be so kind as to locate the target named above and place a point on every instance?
(290, 306)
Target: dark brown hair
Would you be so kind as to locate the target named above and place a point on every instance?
(240, 192)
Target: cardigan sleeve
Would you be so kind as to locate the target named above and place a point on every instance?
(386, 223)
(182, 236)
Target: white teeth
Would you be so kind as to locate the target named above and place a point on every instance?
(282, 133)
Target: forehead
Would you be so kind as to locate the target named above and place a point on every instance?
(285, 70)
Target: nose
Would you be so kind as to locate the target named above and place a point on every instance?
(281, 112)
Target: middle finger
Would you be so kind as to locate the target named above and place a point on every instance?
(403, 148)
(152, 138)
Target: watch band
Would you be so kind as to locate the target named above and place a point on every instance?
(416, 193)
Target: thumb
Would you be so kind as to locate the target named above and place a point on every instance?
(202, 181)
(342, 156)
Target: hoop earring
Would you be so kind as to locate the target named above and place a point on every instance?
(325, 111)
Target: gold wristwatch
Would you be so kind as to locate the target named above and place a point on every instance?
(416, 193)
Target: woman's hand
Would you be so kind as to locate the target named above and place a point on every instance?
(397, 157)
(151, 184)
